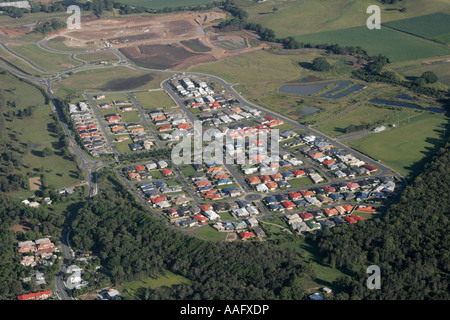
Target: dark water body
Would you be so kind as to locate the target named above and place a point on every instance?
(405, 105)
(309, 89)
(404, 97)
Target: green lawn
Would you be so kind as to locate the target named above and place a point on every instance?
(154, 99)
(46, 60)
(401, 148)
(18, 63)
(160, 4)
(133, 290)
(97, 57)
(130, 116)
(209, 233)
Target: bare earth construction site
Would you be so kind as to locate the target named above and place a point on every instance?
(174, 41)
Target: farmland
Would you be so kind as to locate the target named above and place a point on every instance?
(398, 46)
(434, 26)
(305, 17)
(160, 4)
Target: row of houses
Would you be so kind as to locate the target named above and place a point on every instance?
(226, 114)
(83, 120)
(208, 184)
(139, 136)
(340, 162)
(31, 252)
(187, 87)
(143, 171)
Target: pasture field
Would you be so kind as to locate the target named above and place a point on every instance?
(433, 26)
(295, 17)
(46, 60)
(365, 113)
(30, 135)
(414, 68)
(154, 99)
(396, 45)
(160, 4)
(403, 147)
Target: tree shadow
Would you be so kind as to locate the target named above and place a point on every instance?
(306, 65)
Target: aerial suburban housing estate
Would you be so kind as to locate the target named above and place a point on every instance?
(224, 150)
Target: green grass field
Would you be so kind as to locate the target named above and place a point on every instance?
(33, 131)
(154, 99)
(18, 63)
(396, 45)
(295, 17)
(96, 57)
(402, 147)
(133, 290)
(160, 4)
(365, 113)
(107, 79)
(430, 26)
(211, 234)
(46, 60)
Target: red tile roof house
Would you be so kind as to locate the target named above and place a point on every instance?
(139, 168)
(184, 126)
(214, 196)
(214, 169)
(317, 155)
(206, 207)
(203, 184)
(288, 205)
(272, 185)
(370, 168)
(113, 119)
(166, 172)
(35, 295)
(295, 195)
(298, 173)
(254, 180)
(357, 217)
(349, 219)
(328, 162)
(328, 189)
(277, 177)
(306, 216)
(352, 185)
(331, 212)
(173, 213)
(200, 218)
(348, 208)
(133, 175)
(307, 193)
(246, 235)
(158, 199)
(265, 178)
(164, 128)
(221, 176)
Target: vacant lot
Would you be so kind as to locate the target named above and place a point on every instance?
(44, 59)
(160, 4)
(154, 99)
(108, 79)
